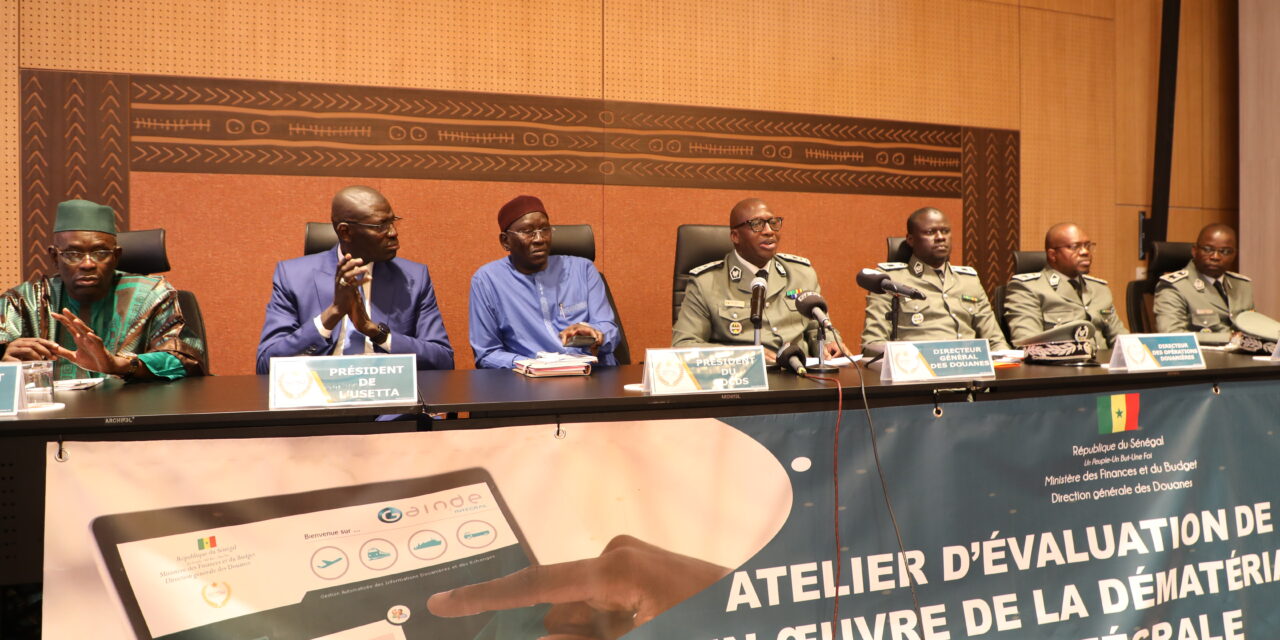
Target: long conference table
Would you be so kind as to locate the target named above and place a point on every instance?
(237, 407)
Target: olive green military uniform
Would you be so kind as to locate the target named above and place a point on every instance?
(717, 305)
(955, 306)
(1187, 301)
(1047, 298)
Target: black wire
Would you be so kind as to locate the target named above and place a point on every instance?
(884, 488)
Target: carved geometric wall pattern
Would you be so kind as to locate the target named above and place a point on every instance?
(74, 145)
(203, 125)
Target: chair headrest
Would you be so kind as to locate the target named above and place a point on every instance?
(320, 237)
(1168, 256)
(899, 250)
(142, 251)
(573, 240)
(698, 244)
(1029, 261)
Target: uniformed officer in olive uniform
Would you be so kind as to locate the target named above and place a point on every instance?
(717, 303)
(1205, 297)
(1063, 291)
(955, 306)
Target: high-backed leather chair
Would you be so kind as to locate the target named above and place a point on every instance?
(320, 236)
(898, 249)
(144, 252)
(696, 245)
(1023, 262)
(579, 240)
(1140, 294)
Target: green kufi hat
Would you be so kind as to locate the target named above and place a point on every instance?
(82, 215)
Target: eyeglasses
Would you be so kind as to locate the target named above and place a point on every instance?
(72, 258)
(1225, 252)
(378, 228)
(530, 234)
(1077, 247)
(757, 224)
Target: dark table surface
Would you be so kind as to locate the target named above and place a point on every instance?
(210, 402)
(492, 397)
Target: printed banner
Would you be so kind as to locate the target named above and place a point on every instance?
(1145, 515)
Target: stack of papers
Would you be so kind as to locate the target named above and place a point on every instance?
(547, 365)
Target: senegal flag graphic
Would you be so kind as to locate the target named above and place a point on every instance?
(1118, 413)
(206, 543)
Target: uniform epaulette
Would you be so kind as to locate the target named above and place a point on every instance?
(1241, 276)
(794, 258)
(1174, 276)
(705, 267)
(1093, 279)
(891, 266)
(1026, 277)
(968, 271)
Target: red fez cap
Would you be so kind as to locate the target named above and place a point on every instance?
(519, 207)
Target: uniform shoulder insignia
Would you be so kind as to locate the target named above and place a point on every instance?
(794, 258)
(1026, 277)
(1174, 276)
(706, 267)
(1093, 279)
(968, 271)
(1239, 276)
(891, 266)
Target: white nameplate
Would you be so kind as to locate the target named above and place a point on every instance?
(326, 381)
(936, 360)
(1156, 351)
(704, 370)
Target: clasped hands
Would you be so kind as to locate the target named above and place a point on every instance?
(347, 301)
(90, 354)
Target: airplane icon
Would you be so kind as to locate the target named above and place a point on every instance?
(325, 564)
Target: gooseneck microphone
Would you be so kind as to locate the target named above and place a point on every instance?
(811, 305)
(758, 288)
(791, 358)
(880, 282)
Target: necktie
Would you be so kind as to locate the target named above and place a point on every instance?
(1222, 291)
(1078, 283)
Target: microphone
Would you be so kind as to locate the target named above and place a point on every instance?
(878, 282)
(791, 358)
(811, 305)
(758, 287)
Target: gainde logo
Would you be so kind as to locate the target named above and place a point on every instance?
(390, 514)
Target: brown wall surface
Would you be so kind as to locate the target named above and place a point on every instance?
(1076, 79)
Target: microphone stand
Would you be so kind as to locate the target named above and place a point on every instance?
(822, 367)
(895, 310)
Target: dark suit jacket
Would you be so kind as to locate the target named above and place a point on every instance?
(402, 297)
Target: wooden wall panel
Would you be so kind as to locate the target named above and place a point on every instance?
(922, 60)
(1221, 105)
(987, 48)
(1067, 128)
(549, 47)
(1186, 188)
(1095, 8)
(1260, 148)
(1137, 65)
(10, 150)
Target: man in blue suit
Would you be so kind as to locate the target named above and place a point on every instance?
(357, 298)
